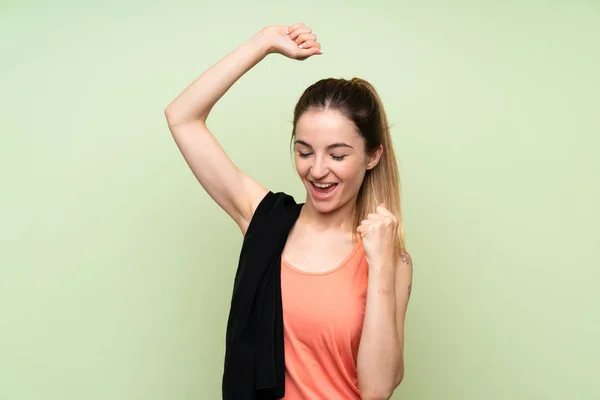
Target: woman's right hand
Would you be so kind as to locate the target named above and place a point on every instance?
(296, 41)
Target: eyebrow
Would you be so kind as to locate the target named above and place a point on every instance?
(331, 146)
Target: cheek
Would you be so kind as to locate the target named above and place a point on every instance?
(351, 173)
(301, 166)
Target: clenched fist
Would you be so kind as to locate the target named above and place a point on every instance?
(297, 41)
(378, 232)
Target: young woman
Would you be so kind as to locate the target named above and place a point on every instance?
(345, 275)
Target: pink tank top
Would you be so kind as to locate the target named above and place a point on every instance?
(322, 318)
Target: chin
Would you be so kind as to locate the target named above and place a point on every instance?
(324, 207)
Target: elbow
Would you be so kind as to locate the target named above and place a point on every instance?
(383, 392)
(380, 395)
(399, 378)
(170, 115)
(377, 393)
(176, 116)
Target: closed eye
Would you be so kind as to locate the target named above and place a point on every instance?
(337, 158)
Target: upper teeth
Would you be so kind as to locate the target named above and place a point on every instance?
(323, 186)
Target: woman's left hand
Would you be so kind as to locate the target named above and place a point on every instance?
(378, 232)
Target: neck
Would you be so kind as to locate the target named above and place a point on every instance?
(340, 219)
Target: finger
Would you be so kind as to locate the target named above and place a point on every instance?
(305, 53)
(384, 211)
(382, 219)
(309, 44)
(305, 37)
(294, 26)
(297, 32)
(376, 217)
(364, 225)
(379, 205)
(362, 230)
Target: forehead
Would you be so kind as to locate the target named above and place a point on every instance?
(321, 127)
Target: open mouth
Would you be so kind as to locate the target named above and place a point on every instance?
(323, 190)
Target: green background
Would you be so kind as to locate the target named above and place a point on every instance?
(116, 268)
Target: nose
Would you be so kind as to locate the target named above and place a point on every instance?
(319, 168)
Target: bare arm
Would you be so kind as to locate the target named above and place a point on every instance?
(234, 191)
(381, 351)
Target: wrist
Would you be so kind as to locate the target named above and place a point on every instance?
(381, 281)
(382, 262)
(261, 42)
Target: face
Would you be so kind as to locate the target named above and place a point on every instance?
(330, 158)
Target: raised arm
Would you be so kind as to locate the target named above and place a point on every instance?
(234, 191)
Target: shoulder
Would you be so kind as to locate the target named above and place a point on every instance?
(275, 202)
(274, 207)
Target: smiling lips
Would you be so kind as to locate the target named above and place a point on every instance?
(322, 191)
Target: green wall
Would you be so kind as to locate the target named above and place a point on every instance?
(116, 268)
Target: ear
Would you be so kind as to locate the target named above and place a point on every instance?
(374, 157)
